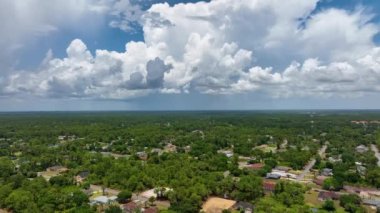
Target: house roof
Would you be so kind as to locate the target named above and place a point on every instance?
(130, 206)
(243, 205)
(101, 199)
(151, 210)
(269, 186)
(283, 168)
(84, 174)
(371, 202)
(255, 166)
(273, 176)
(324, 195)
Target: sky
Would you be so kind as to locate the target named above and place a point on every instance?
(72, 55)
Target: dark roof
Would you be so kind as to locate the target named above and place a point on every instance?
(151, 210)
(324, 195)
(243, 205)
(130, 206)
(84, 174)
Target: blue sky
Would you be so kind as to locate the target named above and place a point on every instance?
(189, 55)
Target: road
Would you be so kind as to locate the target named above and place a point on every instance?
(377, 154)
(311, 163)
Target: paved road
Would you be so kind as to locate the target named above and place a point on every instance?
(377, 154)
(311, 163)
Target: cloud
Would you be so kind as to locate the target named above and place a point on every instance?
(228, 47)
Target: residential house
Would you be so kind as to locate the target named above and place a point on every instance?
(170, 148)
(157, 150)
(372, 202)
(282, 168)
(81, 176)
(320, 180)
(328, 195)
(327, 172)
(187, 149)
(361, 148)
(363, 192)
(151, 210)
(361, 170)
(227, 153)
(255, 166)
(243, 206)
(273, 176)
(103, 200)
(130, 207)
(269, 186)
(142, 155)
(59, 169)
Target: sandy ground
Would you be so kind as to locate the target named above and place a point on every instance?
(217, 205)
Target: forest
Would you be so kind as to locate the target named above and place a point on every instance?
(254, 161)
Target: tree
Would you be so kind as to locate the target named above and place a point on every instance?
(61, 181)
(20, 200)
(373, 177)
(5, 190)
(350, 203)
(249, 188)
(113, 209)
(6, 167)
(289, 193)
(328, 205)
(331, 184)
(124, 196)
(269, 204)
(151, 200)
(79, 198)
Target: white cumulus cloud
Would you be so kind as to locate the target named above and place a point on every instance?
(219, 47)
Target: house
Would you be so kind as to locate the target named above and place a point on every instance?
(283, 168)
(217, 205)
(255, 166)
(327, 172)
(157, 150)
(227, 153)
(142, 155)
(362, 191)
(371, 202)
(361, 148)
(130, 207)
(101, 189)
(335, 159)
(170, 148)
(103, 200)
(272, 176)
(81, 176)
(320, 180)
(151, 210)
(187, 149)
(52, 172)
(59, 169)
(361, 170)
(328, 195)
(243, 206)
(269, 186)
